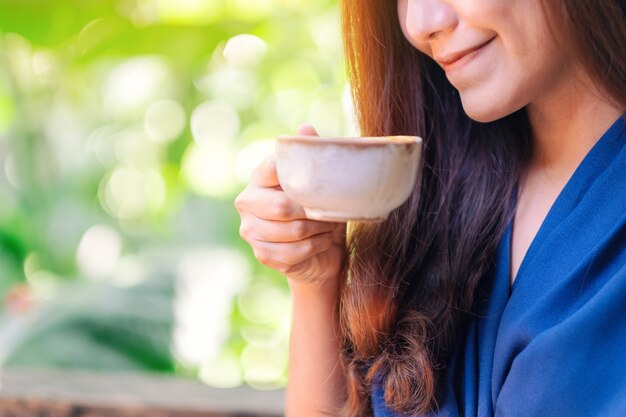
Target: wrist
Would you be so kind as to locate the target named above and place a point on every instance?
(324, 289)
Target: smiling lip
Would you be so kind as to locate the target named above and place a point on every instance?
(449, 60)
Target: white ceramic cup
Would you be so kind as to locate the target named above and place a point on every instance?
(341, 179)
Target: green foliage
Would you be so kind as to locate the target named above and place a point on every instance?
(100, 327)
(127, 127)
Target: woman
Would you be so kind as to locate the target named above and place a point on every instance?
(498, 289)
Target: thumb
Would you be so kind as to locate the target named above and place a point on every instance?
(307, 129)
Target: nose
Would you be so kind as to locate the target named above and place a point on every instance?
(425, 19)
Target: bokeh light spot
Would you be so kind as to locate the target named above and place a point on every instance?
(129, 193)
(349, 112)
(98, 251)
(236, 86)
(45, 66)
(11, 170)
(189, 11)
(164, 120)
(133, 84)
(251, 9)
(135, 149)
(264, 304)
(101, 144)
(208, 169)
(130, 271)
(290, 106)
(251, 156)
(244, 50)
(222, 372)
(206, 283)
(214, 121)
(325, 115)
(263, 336)
(264, 367)
(296, 74)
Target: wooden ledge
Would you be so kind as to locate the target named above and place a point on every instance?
(53, 393)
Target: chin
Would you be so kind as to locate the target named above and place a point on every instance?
(482, 116)
(485, 110)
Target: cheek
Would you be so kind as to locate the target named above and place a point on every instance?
(527, 64)
(523, 65)
(483, 13)
(423, 47)
(496, 87)
(514, 81)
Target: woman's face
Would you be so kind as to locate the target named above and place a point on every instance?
(501, 55)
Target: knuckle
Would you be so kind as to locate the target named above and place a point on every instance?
(269, 163)
(259, 167)
(299, 228)
(262, 256)
(307, 246)
(266, 166)
(244, 230)
(283, 207)
(240, 202)
(284, 269)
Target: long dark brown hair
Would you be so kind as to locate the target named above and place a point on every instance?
(411, 280)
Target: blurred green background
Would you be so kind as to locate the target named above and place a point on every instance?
(127, 128)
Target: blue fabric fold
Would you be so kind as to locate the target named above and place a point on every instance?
(555, 343)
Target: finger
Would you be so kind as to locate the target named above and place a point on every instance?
(264, 175)
(275, 254)
(340, 232)
(277, 231)
(270, 204)
(306, 129)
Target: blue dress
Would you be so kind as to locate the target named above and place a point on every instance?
(554, 345)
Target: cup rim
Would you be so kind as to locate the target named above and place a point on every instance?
(354, 140)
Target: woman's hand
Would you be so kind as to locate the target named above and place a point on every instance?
(308, 252)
